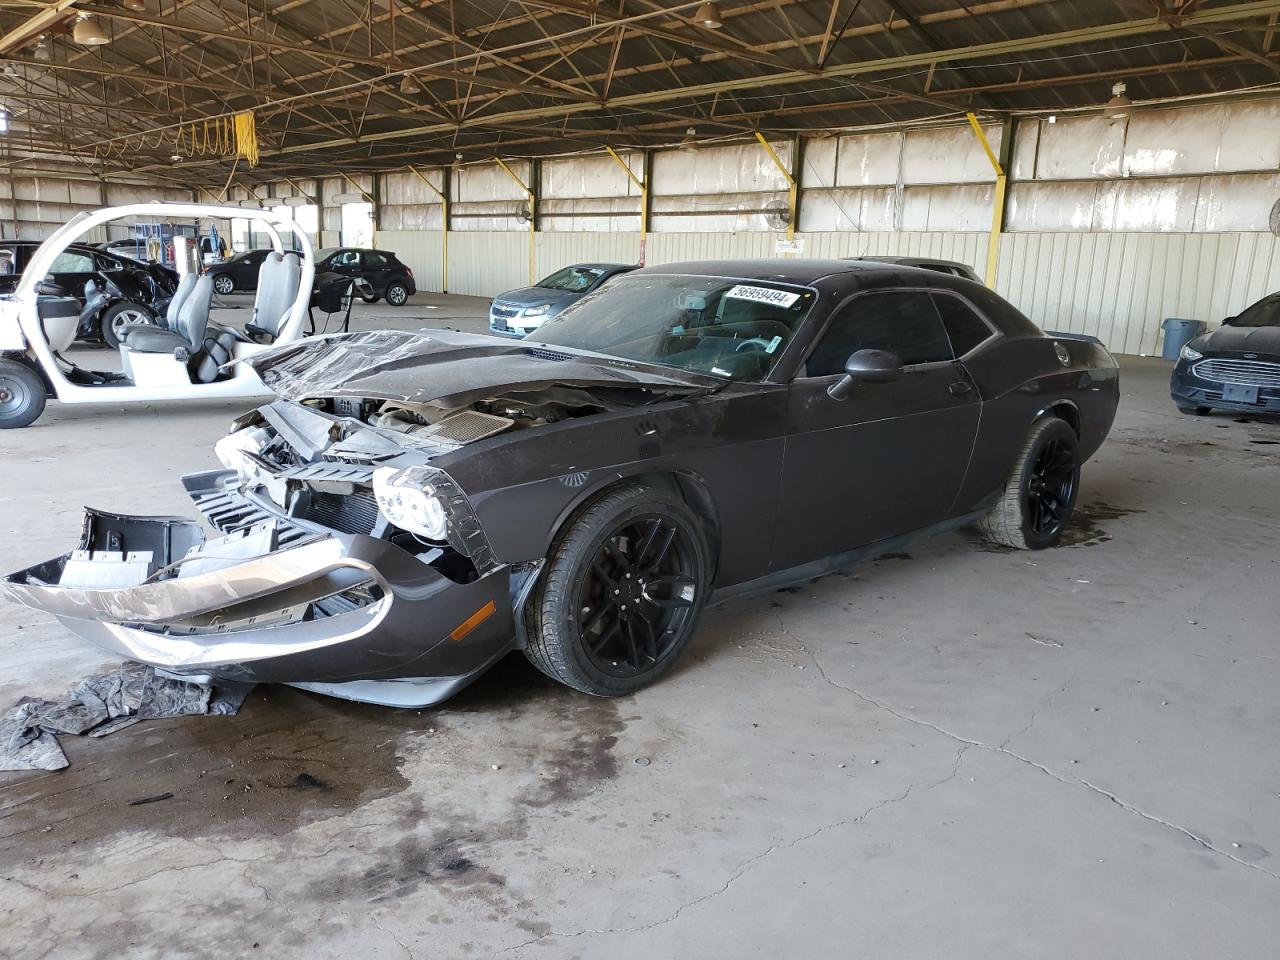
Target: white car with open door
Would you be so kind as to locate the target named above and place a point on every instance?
(184, 357)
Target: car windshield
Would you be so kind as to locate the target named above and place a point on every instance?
(572, 279)
(724, 327)
(1264, 313)
(327, 252)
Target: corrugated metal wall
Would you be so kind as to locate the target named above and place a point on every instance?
(1120, 286)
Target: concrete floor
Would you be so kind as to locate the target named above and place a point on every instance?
(967, 752)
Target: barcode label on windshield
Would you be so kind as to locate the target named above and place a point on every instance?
(779, 298)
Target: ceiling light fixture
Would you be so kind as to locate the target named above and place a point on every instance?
(42, 51)
(88, 31)
(10, 71)
(137, 6)
(177, 158)
(690, 141)
(1119, 104)
(409, 86)
(708, 15)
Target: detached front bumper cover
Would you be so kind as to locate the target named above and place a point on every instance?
(326, 611)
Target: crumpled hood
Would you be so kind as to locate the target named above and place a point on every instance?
(445, 366)
(532, 296)
(1259, 340)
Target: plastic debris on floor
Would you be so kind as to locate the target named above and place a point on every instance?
(102, 704)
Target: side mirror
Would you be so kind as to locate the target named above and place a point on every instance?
(866, 366)
(1227, 321)
(48, 288)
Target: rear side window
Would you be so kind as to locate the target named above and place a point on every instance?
(372, 258)
(964, 327)
(905, 323)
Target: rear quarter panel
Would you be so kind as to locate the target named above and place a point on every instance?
(1021, 379)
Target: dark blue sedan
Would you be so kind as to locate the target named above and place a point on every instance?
(519, 312)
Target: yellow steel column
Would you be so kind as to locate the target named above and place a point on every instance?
(644, 199)
(533, 220)
(997, 206)
(444, 223)
(793, 191)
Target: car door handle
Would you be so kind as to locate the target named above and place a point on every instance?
(959, 388)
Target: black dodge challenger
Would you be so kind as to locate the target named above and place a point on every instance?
(1237, 367)
(416, 505)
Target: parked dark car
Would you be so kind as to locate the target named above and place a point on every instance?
(417, 505)
(953, 268)
(390, 279)
(518, 313)
(146, 287)
(237, 273)
(1237, 367)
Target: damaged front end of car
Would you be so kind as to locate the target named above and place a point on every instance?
(326, 575)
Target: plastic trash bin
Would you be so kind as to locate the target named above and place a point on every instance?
(1178, 333)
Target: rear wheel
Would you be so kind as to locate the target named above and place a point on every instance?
(223, 283)
(397, 293)
(118, 316)
(621, 593)
(1040, 493)
(22, 394)
(372, 299)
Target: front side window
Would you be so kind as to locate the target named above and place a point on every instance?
(964, 327)
(572, 279)
(347, 258)
(904, 323)
(728, 328)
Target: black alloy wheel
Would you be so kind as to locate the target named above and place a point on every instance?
(638, 595)
(1040, 493)
(621, 591)
(1051, 488)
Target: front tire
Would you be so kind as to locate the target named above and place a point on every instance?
(118, 316)
(621, 594)
(223, 284)
(1193, 411)
(1040, 493)
(397, 294)
(373, 299)
(22, 394)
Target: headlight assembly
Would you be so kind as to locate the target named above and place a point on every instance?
(409, 499)
(538, 311)
(1190, 353)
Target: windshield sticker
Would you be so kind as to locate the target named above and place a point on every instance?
(773, 345)
(779, 298)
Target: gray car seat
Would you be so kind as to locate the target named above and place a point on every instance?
(188, 330)
(278, 280)
(170, 320)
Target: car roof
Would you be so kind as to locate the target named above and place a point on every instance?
(799, 271)
(906, 261)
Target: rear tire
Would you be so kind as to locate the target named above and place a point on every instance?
(1040, 494)
(621, 594)
(373, 299)
(22, 394)
(397, 293)
(120, 315)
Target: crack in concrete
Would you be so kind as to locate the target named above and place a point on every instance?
(749, 864)
(1002, 749)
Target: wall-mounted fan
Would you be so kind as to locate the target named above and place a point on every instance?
(777, 213)
(1274, 220)
(522, 213)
